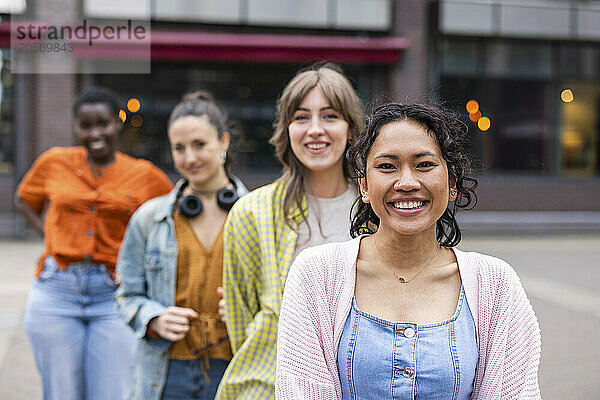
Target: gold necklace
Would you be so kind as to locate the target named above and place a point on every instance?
(401, 279)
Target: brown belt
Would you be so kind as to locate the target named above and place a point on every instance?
(207, 328)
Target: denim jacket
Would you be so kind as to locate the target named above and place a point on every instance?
(147, 270)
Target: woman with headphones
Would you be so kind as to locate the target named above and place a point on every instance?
(170, 263)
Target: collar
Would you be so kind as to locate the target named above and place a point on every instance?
(166, 207)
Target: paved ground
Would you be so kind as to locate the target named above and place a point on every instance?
(19, 379)
(560, 273)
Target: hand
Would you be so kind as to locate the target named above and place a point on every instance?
(33, 218)
(174, 323)
(221, 303)
(116, 277)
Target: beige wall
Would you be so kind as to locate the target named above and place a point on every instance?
(523, 19)
(324, 14)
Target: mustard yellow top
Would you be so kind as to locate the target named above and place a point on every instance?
(199, 272)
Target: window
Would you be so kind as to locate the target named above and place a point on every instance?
(519, 139)
(246, 91)
(580, 128)
(519, 86)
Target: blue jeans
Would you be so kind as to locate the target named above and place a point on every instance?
(82, 348)
(185, 379)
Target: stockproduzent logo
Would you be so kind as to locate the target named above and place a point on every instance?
(67, 47)
(81, 32)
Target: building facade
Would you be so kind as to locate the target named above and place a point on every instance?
(534, 68)
(538, 152)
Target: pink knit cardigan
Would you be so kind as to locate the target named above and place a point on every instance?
(317, 299)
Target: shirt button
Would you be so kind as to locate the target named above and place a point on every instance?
(92, 208)
(409, 332)
(89, 233)
(407, 373)
(87, 258)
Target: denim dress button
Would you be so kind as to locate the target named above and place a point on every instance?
(409, 332)
(408, 373)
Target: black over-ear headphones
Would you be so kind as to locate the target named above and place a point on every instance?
(191, 205)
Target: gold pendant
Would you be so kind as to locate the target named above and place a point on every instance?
(401, 279)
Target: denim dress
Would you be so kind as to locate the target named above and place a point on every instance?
(378, 359)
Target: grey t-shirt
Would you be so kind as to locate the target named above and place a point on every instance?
(333, 216)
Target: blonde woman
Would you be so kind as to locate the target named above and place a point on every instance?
(319, 116)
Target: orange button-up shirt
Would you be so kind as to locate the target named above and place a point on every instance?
(87, 210)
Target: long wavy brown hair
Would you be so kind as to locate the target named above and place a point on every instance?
(341, 96)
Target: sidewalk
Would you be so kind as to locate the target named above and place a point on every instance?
(560, 274)
(19, 379)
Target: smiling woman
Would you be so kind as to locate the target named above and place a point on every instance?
(320, 153)
(398, 311)
(439, 135)
(81, 198)
(97, 130)
(408, 178)
(319, 116)
(174, 246)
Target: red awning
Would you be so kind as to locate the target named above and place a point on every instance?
(4, 34)
(190, 46)
(275, 48)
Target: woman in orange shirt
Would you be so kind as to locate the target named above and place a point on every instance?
(80, 199)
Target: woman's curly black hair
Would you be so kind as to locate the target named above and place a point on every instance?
(451, 136)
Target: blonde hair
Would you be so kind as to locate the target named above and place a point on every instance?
(338, 91)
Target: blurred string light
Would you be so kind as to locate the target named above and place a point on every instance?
(133, 104)
(567, 95)
(475, 117)
(136, 121)
(472, 106)
(483, 123)
(122, 115)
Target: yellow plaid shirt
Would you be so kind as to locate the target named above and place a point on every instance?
(258, 252)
